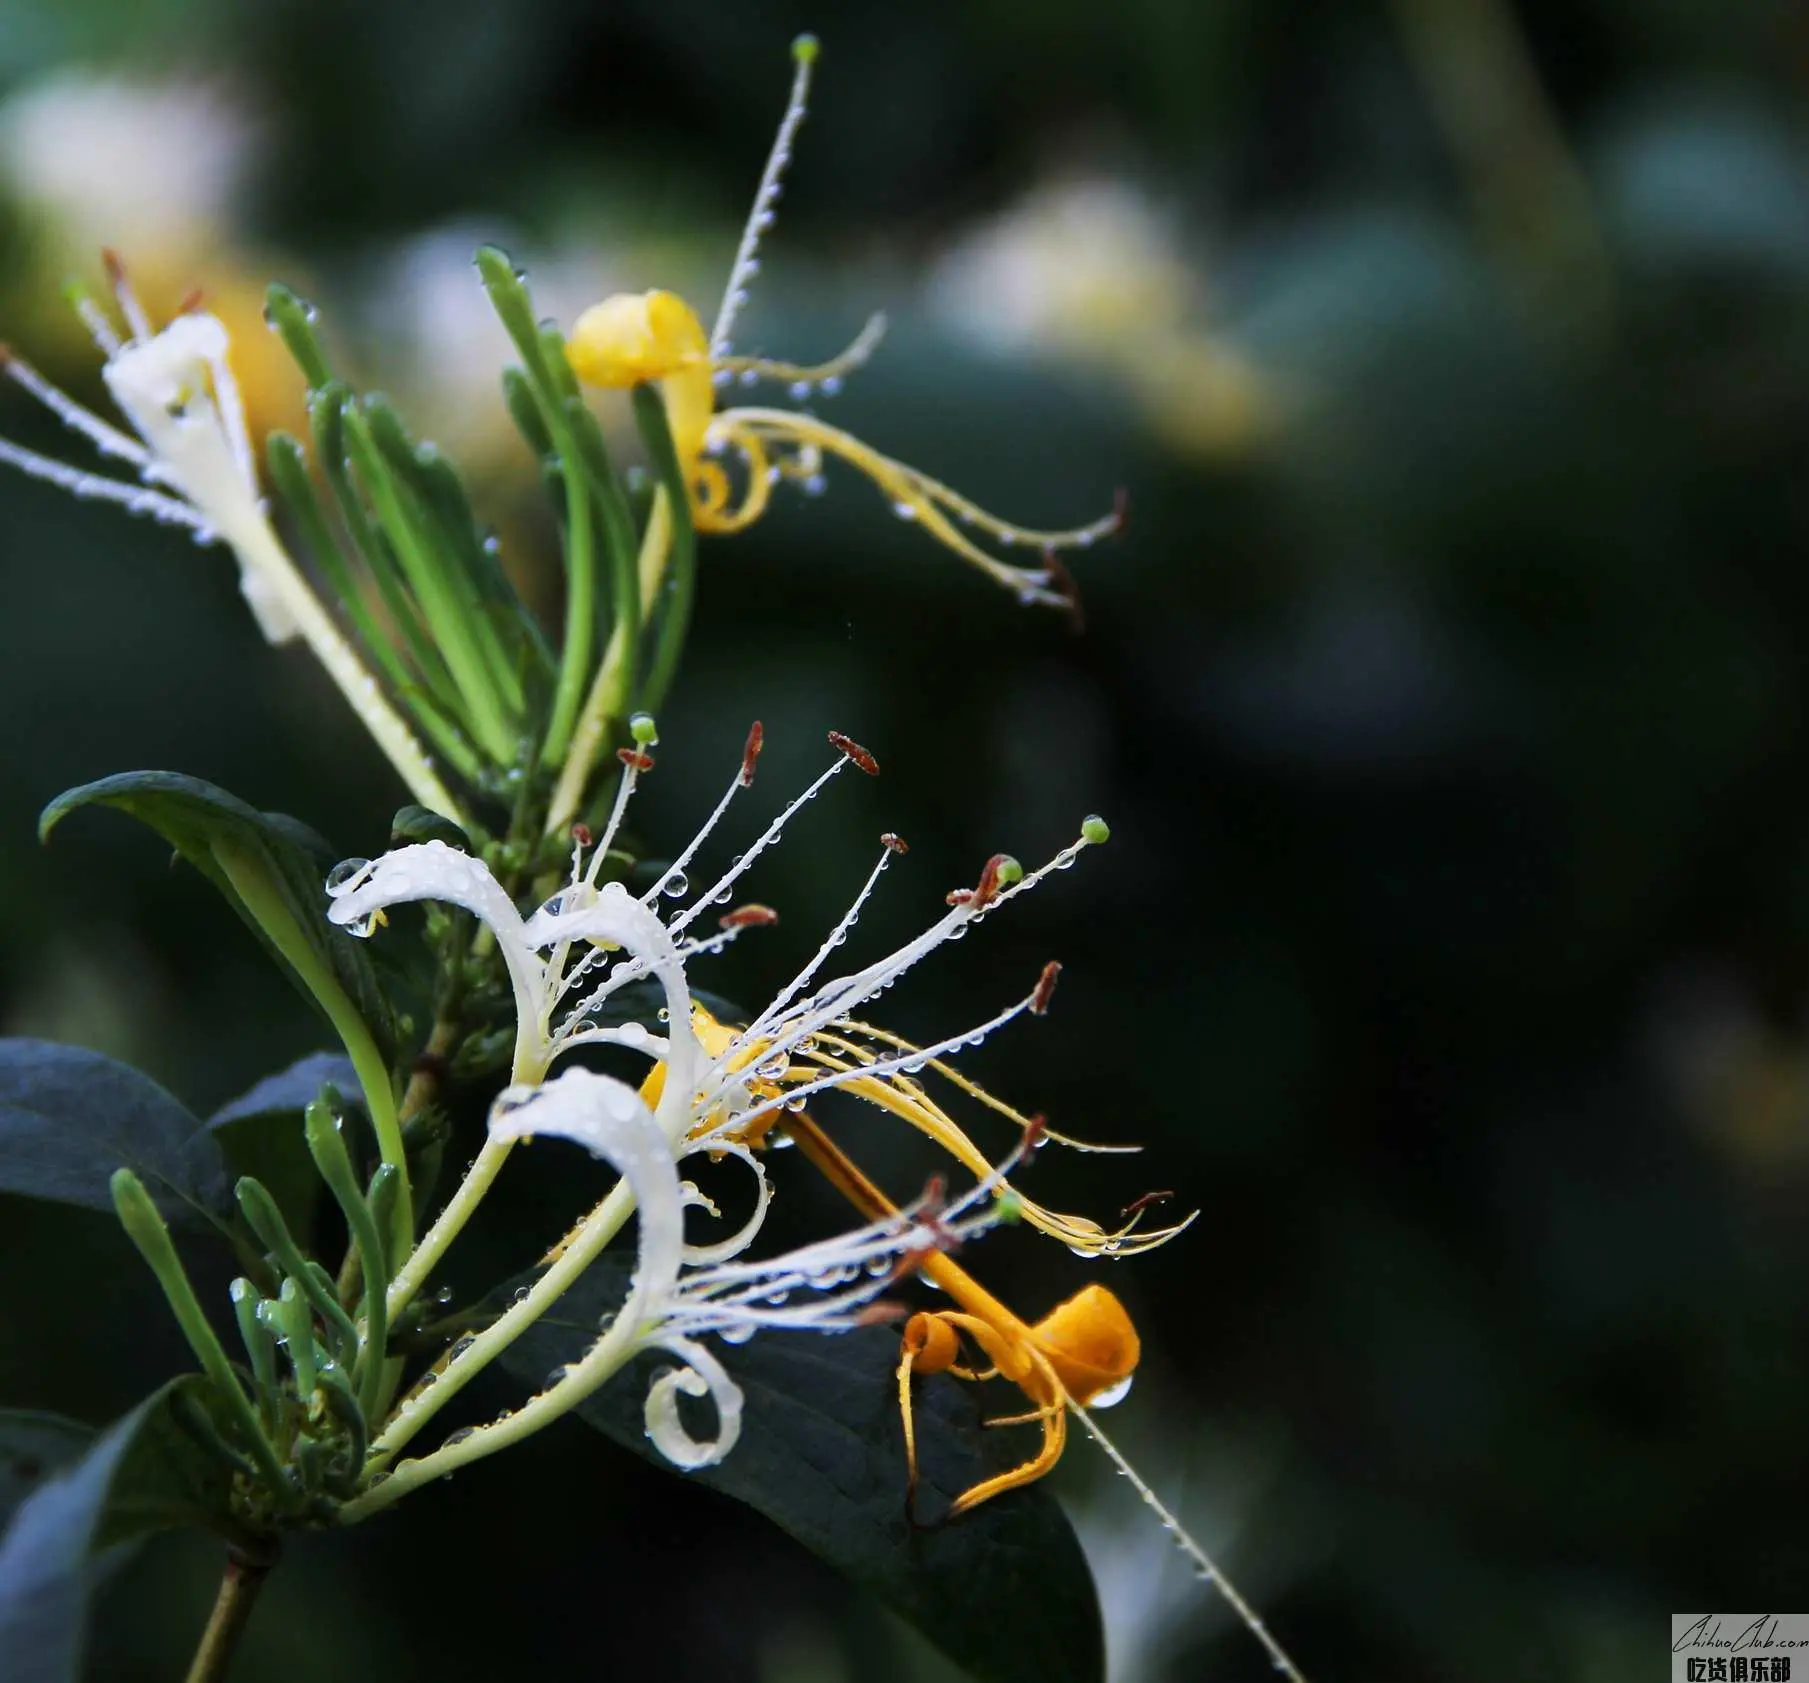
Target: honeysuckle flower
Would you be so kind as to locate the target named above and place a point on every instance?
(713, 1088)
(631, 339)
(190, 451)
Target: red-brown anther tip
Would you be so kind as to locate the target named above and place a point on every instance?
(988, 888)
(7, 359)
(756, 738)
(581, 834)
(935, 1196)
(1034, 1129)
(960, 896)
(880, 1313)
(896, 843)
(1045, 989)
(748, 917)
(855, 752)
(191, 301)
(113, 264)
(1121, 508)
(1067, 589)
(634, 759)
(1139, 1204)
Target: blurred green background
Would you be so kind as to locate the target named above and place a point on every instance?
(1446, 696)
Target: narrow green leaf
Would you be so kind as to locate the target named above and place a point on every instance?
(1004, 1591)
(267, 867)
(671, 616)
(69, 1117)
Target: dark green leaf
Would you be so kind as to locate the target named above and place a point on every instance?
(261, 1131)
(33, 1446)
(273, 859)
(142, 1474)
(1005, 1590)
(69, 1117)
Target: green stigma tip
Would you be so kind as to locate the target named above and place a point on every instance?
(1094, 830)
(806, 48)
(1008, 1208)
(642, 728)
(1010, 871)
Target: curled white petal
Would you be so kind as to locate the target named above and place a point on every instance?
(700, 1255)
(610, 1119)
(702, 1375)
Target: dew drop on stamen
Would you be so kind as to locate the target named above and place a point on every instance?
(904, 511)
(749, 377)
(830, 385)
(800, 389)
(675, 885)
(815, 485)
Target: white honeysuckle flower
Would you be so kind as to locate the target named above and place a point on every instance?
(711, 1088)
(681, 1293)
(192, 454)
(195, 468)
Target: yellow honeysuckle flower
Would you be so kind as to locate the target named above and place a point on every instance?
(656, 337)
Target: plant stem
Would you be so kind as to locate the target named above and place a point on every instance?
(239, 1585)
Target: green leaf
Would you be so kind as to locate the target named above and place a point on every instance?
(1004, 1590)
(268, 867)
(33, 1446)
(144, 1473)
(69, 1117)
(261, 1132)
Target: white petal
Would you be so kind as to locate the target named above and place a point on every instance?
(609, 1119)
(702, 1375)
(699, 1255)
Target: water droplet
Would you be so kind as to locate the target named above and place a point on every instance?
(738, 1334)
(800, 389)
(904, 511)
(749, 377)
(519, 1295)
(815, 485)
(675, 885)
(459, 1349)
(343, 872)
(831, 384)
(459, 1436)
(1116, 1394)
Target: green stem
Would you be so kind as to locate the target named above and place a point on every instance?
(598, 1228)
(239, 1586)
(603, 1361)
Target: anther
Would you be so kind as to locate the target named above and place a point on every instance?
(748, 917)
(581, 834)
(1001, 872)
(1038, 1125)
(1066, 588)
(191, 301)
(1045, 989)
(881, 1313)
(750, 755)
(634, 759)
(896, 843)
(1137, 1205)
(855, 752)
